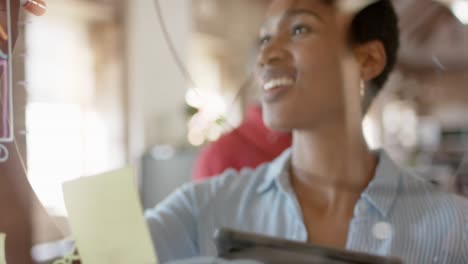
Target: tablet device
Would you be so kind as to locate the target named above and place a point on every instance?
(232, 244)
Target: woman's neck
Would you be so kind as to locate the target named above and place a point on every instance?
(330, 165)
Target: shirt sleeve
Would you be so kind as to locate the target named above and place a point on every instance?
(173, 226)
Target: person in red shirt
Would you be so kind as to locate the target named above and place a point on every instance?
(247, 146)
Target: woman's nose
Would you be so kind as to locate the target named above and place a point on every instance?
(272, 52)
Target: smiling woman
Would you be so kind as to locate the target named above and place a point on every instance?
(320, 66)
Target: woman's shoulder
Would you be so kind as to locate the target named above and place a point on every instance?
(445, 207)
(236, 183)
(434, 214)
(231, 183)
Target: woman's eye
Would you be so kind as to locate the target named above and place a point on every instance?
(264, 40)
(300, 29)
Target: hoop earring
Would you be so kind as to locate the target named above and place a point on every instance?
(362, 84)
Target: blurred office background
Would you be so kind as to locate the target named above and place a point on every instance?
(104, 88)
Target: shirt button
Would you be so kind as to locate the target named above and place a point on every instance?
(382, 230)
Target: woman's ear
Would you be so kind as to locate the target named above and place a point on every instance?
(372, 58)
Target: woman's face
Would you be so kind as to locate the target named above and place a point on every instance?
(302, 64)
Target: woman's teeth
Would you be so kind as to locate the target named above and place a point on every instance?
(277, 82)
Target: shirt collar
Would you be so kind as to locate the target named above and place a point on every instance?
(277, 172)
(380, 193)
(383, 189)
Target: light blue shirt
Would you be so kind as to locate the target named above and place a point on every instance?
(399, 214)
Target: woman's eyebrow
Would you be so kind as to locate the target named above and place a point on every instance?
(296, 12)
(292, 13)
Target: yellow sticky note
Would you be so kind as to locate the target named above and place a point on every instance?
(2, 248)
(107, 221)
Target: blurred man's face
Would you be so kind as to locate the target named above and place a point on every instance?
(15, 5)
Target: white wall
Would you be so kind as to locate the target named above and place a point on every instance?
(74, 114)
(156, 86)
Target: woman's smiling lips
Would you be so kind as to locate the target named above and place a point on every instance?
(276, 82)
